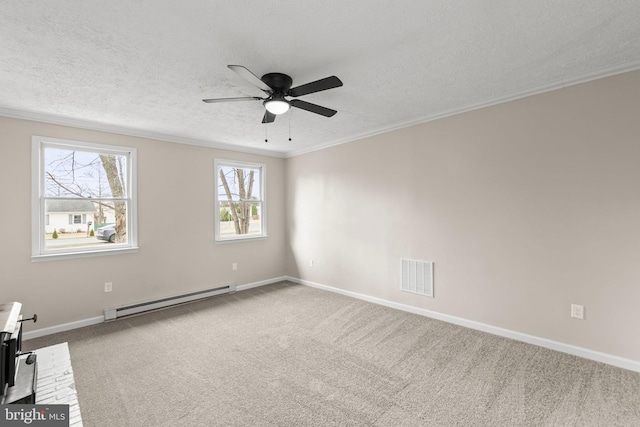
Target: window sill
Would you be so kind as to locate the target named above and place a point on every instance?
(84, 254)
(241, 239)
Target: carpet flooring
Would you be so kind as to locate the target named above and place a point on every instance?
(291, 355)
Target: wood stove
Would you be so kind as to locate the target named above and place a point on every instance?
(18, 373)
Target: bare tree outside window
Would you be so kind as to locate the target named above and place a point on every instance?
(114, 169)
(240, 201)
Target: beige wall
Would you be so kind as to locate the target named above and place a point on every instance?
(525, 208)
(175, 187)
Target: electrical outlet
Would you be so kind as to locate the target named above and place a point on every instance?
(577, 311)
(234, 266)
(108, 286)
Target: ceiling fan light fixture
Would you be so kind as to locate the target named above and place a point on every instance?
(276, 105)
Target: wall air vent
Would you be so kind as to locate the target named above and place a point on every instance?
(417, 276)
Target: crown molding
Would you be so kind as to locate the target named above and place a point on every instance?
(122, 130)
(583, 78)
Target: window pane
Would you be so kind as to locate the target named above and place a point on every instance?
(236, 183)
(72, 173)
(105, 223)
(247, 220)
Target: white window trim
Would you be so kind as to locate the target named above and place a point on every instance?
(216, 210)
(38, 246)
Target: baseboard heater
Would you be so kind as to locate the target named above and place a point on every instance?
(113, 313)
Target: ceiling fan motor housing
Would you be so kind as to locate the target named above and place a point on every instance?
(280, 83)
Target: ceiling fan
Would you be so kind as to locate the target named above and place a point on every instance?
(277, 87)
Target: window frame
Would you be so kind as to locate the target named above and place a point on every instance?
(262, 167)
(39, 216)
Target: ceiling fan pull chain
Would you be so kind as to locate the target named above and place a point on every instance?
(266, 139)
(290, 113)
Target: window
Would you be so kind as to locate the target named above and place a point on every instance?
(240, 209)
(78, 219)
(83, 198)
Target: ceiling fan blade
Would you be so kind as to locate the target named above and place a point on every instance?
(317, 86)
(268, 117)
(250, 77)
(327, 112)
(244, 98)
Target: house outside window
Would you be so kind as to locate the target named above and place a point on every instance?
(78, 189)
(240, 206)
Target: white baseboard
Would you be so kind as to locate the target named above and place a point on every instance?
(62, 328)
(261, 283)
(95, 320)
(597, 356)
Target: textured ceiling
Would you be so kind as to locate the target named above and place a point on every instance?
(143, 67)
